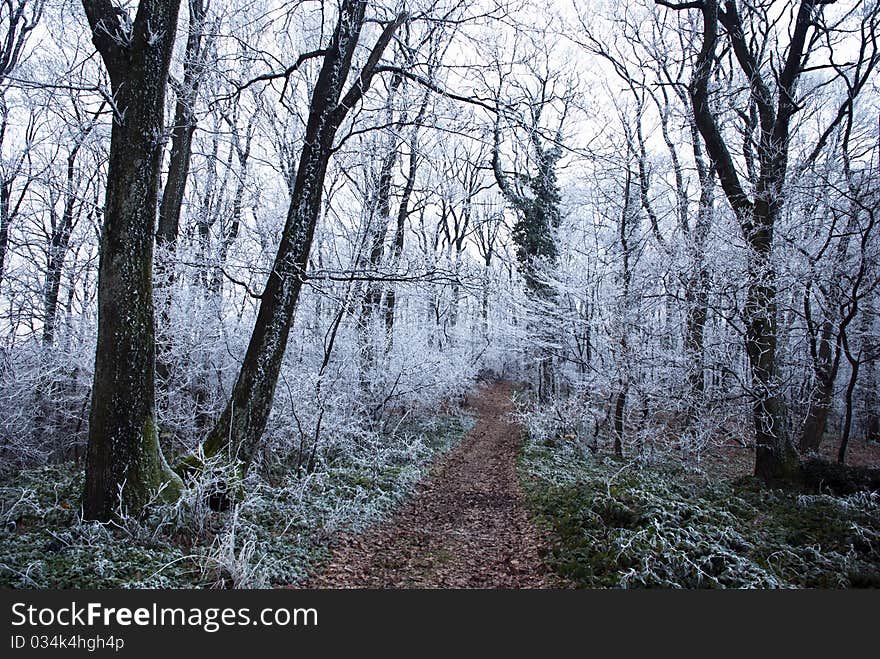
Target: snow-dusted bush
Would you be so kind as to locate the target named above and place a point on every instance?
(44, 398)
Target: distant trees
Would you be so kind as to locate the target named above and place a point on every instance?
(18, 19)
(535, 199)
(74, 202)
(640, 58)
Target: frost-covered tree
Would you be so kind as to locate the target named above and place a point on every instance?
(125, 464)
(535, 199)
(239, 429)
(758, 200)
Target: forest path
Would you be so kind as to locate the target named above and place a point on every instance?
(467, 527)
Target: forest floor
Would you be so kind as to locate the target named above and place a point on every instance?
(467, 527)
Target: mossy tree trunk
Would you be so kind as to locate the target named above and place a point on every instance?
(124, 463)
(239, 429)
(776, 458)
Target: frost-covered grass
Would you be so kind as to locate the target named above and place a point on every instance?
(273, 535)
(626, 524)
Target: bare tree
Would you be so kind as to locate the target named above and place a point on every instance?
(238, 430)
(775, 97)
(535, 198)
(124, 459)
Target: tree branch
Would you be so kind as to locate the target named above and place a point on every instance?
(370, 68)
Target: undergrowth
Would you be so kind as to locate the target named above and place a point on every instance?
(278, 529)
(626, 524)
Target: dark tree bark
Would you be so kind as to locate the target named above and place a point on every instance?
(6, 217)
(124, 460)
(239, 429)
(183, 129)
(538, 217)
(826, 343)
(870, 411)
(854, 363)
(776, 458)
(624, 312)
(619, 419)
(59, 240)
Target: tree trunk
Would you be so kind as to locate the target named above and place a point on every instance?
(52, 285)
(848, 409)
(619, 419)
(178, 172)
(182, 131)
(239, 429)
(776, 459)
(5, 219)
(124, 460)
(402, 215)
(775, 456)
(697, 293)
(820, 402)
(871, 416)
(377, 227)
(58, 246)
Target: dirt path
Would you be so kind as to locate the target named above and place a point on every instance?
(466, 528)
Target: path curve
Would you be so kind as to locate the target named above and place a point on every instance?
(467, 527)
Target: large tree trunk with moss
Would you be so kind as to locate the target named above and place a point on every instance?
(239, 429)
(776, 459)
(124, 463)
